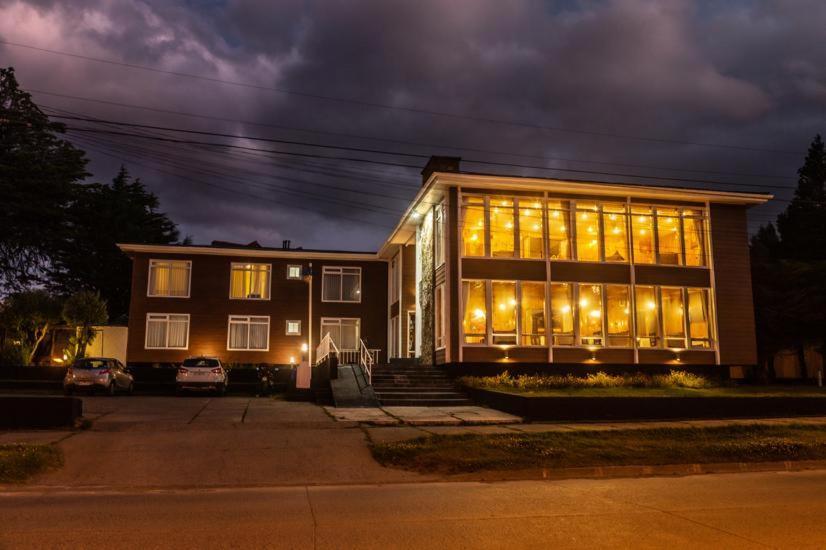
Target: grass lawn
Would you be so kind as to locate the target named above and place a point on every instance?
(473, 453)
(19, 462)
(722, 391)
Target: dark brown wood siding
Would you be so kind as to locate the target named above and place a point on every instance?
(209, 308)
(732, 277)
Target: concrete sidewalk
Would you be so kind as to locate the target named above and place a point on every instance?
(422, 416)
(385, 434)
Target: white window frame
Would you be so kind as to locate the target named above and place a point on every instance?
(237, 319)
(166, 315)
(439, 316)
(290, 268)
(339, 270)
(338, 321)
(287, 327)
(153, 262)
(269, 280)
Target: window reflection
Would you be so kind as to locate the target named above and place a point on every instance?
(699, 332)
(587, 232)
(530, 229)
(694, 230)
(669, 247)
(559, 247)
(504, 312)
(648, 320)
(501, 228)
(533, 314)
(616, 236)
(673, 317)
(474, 298)
(590, 315)
(562, 314)
(617, 310)
(473, 228)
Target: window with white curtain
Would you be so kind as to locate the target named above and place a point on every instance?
(169, 278)
(250, 281)
(167, 331)
(294, 272)
(341, 284)
(247, 333)
(343, 331)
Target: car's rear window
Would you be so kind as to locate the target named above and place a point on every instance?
(201, 362)
(90, 364)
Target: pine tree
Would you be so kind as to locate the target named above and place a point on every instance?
(802, 226)
(101, 217)
(39, 173)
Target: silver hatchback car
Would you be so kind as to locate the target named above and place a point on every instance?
(98, 373)
(201, 373)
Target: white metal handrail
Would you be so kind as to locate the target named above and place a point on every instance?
(325, 347)
(366, 361)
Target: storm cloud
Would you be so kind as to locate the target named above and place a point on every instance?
(681, 74)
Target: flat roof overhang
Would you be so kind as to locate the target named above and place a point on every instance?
(434, 189)
(296, 254)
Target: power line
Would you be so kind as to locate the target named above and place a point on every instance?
(430, 146)
(374, 151)
(412, 110)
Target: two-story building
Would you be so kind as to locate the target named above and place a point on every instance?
(481, 270)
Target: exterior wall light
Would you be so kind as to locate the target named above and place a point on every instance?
(304, 347)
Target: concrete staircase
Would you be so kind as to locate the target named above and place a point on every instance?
(406, 383)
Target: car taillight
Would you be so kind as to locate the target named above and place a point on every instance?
(217, 370)
(182, 370)
(103, 371)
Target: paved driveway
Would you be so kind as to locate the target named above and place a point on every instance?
(207, 441)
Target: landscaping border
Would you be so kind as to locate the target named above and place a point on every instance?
(577, 408)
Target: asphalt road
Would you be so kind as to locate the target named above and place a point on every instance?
(780, 510)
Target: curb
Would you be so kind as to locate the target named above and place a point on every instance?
(664, 470)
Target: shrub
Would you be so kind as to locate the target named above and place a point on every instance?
(538, 382)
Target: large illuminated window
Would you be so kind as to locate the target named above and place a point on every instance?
(616, 235)
(669, 238)
(562, 314)
(647, 317)
(618, 318)
(250, 282)
(530, 229)
(167, 331)
(590, 315)
(587, 232)
(559, 241)
(699, 324)
(532, 304)
(473, 226)
(695, 238)
(474, 298)
(169, 278)
(501, 227)
(673, 317)
(642, 234)
(503, 316)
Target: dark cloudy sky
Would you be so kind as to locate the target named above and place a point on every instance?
(747, 75)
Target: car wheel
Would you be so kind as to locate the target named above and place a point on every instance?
(178, 390)
(110, 389)
(220, 390)
(131, 389)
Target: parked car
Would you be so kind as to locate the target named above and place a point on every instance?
(201, 373)
(93, 373)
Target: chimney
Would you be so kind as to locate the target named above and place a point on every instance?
(285, 244)
(440, 164)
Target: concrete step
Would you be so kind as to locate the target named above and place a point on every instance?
(397, 402)
(415, 387)
(389, 396)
